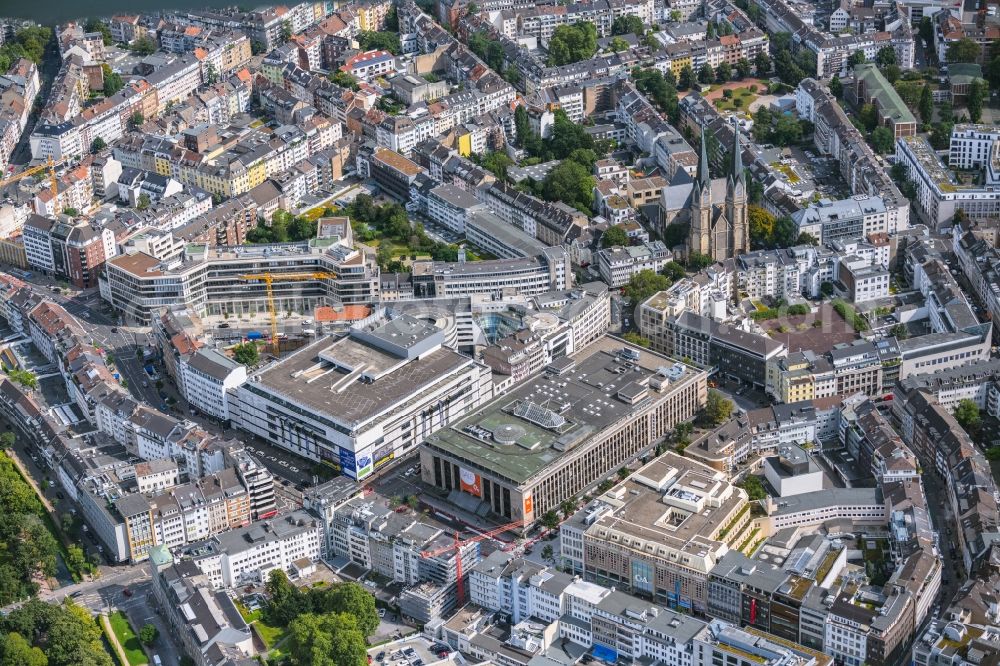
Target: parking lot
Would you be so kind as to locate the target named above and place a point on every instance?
(417, 651)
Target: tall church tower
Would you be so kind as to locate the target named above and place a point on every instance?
(736, 199)
(701, 206)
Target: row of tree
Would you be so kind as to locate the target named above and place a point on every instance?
(28, 43)
(41, 634)
(29, 550)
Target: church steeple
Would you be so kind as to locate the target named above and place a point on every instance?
(704, 179)
(737, 179)
(701, 205)
(736, 198)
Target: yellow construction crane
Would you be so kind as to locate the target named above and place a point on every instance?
(268, 279)
(53, 181)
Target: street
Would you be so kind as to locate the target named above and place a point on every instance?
(121, 342)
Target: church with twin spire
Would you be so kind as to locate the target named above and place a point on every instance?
(719, 230)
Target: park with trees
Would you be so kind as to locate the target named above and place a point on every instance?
(326, 626)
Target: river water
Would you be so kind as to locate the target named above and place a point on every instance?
(56, 11)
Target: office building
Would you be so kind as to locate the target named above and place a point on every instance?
(359, 401)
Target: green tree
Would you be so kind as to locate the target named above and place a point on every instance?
(717, 407)
(673, 271)
(97, 145)
(856, 58)
(25, 378)
(644, 284)
(143, 46)
(614, 236)
(754, 487)
(285, 602)
(148, 634)
(246, 353)
(883, 141)
(573, 43)
(992, 72)
(886, 56)
(762, 120)
(761, 224)
(687, 78)
(333, 639)
(286, 31)
(66, 634)
(634, 338)
(19, 652)
(974, 100)
(941, 135)
(382, 41)
(723, 72)
(112, 81)
(926, 105)
(7, 440)
(899, 331)
(762, 63)
(706, 74)
(967, 414)
(550, 519)
(869, 116)
(350, 598)
(743, 68)
(548, 554)
(836, 87)
(697, 261)
(571, 183)
(617, 45)
(344, 80)
(963, 50)
(787, 131)
(97, 25)
(143, 202)
(624, 25)
(892, 72)
(136, 120)
(927, 31)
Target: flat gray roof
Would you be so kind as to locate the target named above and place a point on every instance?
(529, 428)
(315, 377)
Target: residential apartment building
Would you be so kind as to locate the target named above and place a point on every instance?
(248, 555)
(618, 265)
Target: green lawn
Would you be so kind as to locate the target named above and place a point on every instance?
(270, 635)
(128, 639)
(743, 94)
(247, 615)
